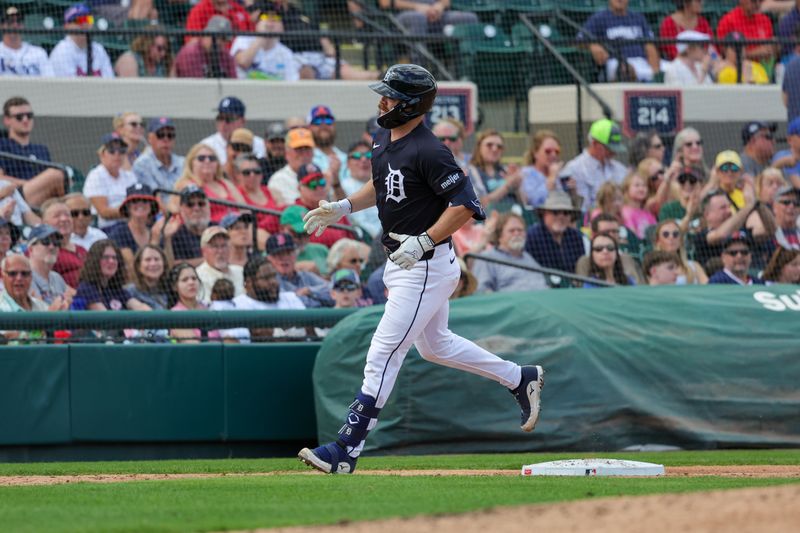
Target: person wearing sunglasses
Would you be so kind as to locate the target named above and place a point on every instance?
(69, 56)
(248, 175)
(496, 185)
(728, 176)
(542, 164)
(346, 289)
(264, 58)
(604, 262)
(646, 144)
(275, 158)
(736, 258)
(554, 242)
(357, 172)
(327, 156)
(348, 253)
(180, 234)
(84, 234)
(44, 242)
(451, 133)
(18, 57)
(687, 149)
(758, 140)
(240, 143)
(150, 56)
(16, 297)
(107, 184)
(686, 207)
(787, 210)
(130, 127)
(313, 187)
(159, 167)
(668, 237)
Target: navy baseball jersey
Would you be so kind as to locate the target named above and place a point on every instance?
(416, 178)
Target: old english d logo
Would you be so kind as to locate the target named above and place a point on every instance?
(395, 188)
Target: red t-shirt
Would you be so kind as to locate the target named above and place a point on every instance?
(270, 223)
(330, 235)
(202, 12)
(193, 62)
(69, 264)
(670, 29)
(756, 27)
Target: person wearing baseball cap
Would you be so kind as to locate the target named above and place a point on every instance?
(216, 250)
(758, 140)
(276, 149)
(181, 233)
(240, 143)
(327, 156)
(21, 58)
(313, 290)
(736, 258)
(107, 184)
(68, 57)
(313, 187)
(299, 152)
(596, 164)
(728, 170)
(311, 256)
(140, 208)
(159, 167)
(789, 160)
(231, 117)
(346, 289)
(240, 229)
(44, 242)
(692, 65)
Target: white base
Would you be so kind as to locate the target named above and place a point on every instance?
(593, 467)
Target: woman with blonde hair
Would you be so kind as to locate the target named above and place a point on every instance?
(668, 237)
(634, 213)
(202, 168)
(130, 127)
(542, 162)
(687, 149)
(150, 56)
(496, 185)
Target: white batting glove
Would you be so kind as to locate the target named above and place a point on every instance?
(326, 214)
(412, 247)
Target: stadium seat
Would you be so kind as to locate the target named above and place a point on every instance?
(580, 10)
(550, 72)
(39, 21)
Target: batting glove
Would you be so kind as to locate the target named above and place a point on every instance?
(412, 247)
(326, 214)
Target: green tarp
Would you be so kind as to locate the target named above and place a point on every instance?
(695, 367)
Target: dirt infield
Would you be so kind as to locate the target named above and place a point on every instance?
(784, 471)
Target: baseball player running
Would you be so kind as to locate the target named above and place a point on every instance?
(422, 198)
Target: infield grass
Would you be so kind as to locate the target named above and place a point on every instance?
(217, 504)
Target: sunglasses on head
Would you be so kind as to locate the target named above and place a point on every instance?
(683, 178)
(322, 120)
(314, 184)
(251, 172)
(165, 135)
(667, 234)
(241, 147)
(19, 117)
(203, 158)
(601, 247)
(744, 252)
(452, 138)
(729, 167)
(359, 155)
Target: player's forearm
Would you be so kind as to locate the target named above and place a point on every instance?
(363, 198)
(450, 221)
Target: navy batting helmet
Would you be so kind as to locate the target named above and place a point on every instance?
(414, 86)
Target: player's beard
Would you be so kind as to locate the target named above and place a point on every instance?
(516, 244)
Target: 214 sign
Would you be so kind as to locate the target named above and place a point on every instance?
(661, 111)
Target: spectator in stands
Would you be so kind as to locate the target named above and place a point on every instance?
(71, 257)
(596, 164)
(310, 256)
(216, 250)
(790, 85)
(608, 225)
(727, 175)
(767, 184)
(150, 283)
(758, 139)
(16, 296)
(68, 57)
(13, 206)
(314, 188)
(83, 233)
(230, 117)
(130, 128)
(746, 19)
(275, 157)
(101, 282)
(646, 144)
(668, 237)
(686, 17)
(139, 209)
(736, 259)
(264, 58)
(299, 152)
(248, 174)
(543, 163)
(687, 149)
(44, 242)
(509, 246)
(206, 11)
(554, 243)
(693, 64)
(605, 264)
(18, 57)
(638, 61)
(159, 167)
(496, 185)
(37, 183)
(787, 201)
(202, 168)
(783, 267)
(186, 291)
(635, 215)
(371, 129)
(348, 254)
(310, 288)
(9, 235)
(751, 71)
(661, 268)
(240, 143)
(240, 231)
(207, 56)
(316, 56)
(327, 156)
(467, 282)
(181, 234)
(718, 224)
(150, 56)
(685, 208)
(450, 132)
(789, 160)
(358, 172)
(107, 184)
(662, 185)
(222, 291)
(346, 290)
(788, 26)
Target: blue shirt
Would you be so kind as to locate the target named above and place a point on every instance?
(605, 24)
(156, 175)
(121, 234)
(787, 171)
(723, 278)
(89, 293)
(541, 245)
(791, 86)
(534, 185)
(787, 28)
(20, 169)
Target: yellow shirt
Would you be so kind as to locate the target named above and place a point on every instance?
(758, 74)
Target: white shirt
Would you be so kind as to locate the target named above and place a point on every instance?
(92, 236)
(100, 183)
(209, 275)
(286, 300)
(284, 186)
(28, 60)
(69, 60)
(277, 63)
(219, 144)
(20, 207)
(679, 73)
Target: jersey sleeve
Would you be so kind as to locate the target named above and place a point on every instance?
(448, 180)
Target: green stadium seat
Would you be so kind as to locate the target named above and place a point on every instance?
(580, 10)
(477, 6)
(550, 71)
(40, 21)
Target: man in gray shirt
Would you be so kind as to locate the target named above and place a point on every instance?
(47, 285)
(758, 139)
(158, 167)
